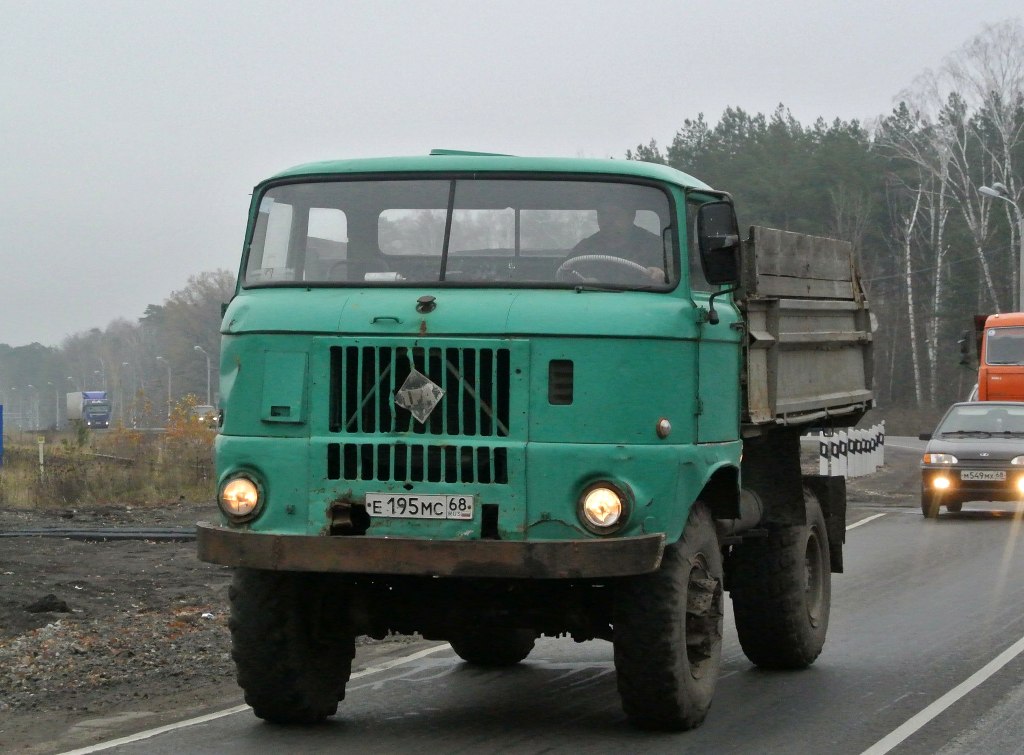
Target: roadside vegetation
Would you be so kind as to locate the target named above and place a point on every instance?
(119, 466)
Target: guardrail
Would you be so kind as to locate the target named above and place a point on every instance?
(851, 453)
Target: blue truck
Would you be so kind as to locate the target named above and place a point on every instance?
(89, 407)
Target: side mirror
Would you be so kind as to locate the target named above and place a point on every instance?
(718, 239)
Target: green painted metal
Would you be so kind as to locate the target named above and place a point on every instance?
(303, 368)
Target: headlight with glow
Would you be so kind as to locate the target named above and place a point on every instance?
(604, 507)
(240, 498)
(940, 459)
(941, 483)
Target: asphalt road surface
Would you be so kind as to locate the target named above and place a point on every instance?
(925, 654)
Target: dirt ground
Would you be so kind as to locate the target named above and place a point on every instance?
(99, 639)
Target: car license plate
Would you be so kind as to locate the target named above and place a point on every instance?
(420, 506)
(979, 474)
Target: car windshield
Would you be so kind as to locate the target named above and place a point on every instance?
(462, 231)
(1004, 346)
(983, 419)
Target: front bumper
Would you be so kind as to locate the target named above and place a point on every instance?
(971, 490)
(544, 559)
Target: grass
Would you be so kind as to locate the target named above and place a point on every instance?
(119, 465)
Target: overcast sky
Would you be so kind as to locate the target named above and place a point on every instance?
(131, 133)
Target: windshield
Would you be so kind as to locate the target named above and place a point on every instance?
(464, 231)
(1004, 346)
(983, 418)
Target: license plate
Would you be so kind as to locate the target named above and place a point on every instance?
(978, 474)
(420, 506)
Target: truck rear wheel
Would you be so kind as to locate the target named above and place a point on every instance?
(292, 660)
(494, 647)
(781, 589)
(668, 632)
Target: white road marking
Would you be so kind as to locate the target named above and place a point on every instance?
(865, 520)
(239, 708)
(898, 735)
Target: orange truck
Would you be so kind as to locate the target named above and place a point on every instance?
(1001, 357)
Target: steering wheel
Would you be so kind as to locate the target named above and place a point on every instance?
(568, 269)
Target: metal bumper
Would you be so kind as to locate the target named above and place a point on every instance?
(546, 559)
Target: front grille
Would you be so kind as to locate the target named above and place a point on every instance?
(405, 462)
(475, 382)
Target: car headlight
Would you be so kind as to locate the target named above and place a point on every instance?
(240, 498)
(604, 506)
(941, 483)
(1017, 460)
(941, 459)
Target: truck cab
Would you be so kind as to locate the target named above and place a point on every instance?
(1001, 363)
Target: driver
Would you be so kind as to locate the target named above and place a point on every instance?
(619, 236)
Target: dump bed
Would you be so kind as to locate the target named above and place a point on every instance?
(808, 357)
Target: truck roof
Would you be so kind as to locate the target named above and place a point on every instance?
(1004, 319)
(449, 161)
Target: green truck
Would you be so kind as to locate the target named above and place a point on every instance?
(485, 398)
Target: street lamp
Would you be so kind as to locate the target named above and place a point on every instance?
(999, 191)
(34, 406)
(56, 405)
(167, 362)
(20, 405)
(203, 351)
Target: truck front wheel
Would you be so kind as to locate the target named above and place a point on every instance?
(781, 589)
(292, 654)
(493, 647)
(668, 632)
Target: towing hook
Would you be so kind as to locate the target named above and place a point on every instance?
(426, 304)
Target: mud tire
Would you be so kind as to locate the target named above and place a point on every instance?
(781, 589)
(494, 647)
(668, 632)
(929, 507)
(292, 655)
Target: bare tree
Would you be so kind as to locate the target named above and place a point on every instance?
(905, 215)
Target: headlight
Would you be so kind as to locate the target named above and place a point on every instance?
(604, 507)
(1020, 484)
(941, 459)
(1017, 460)
(941, 483)
(240, 498)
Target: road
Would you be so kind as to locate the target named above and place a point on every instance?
(924, 655)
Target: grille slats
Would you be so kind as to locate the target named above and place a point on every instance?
(404, 462)
(364, 380)
(476, 404)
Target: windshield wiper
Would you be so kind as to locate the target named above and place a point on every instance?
(967, 433)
